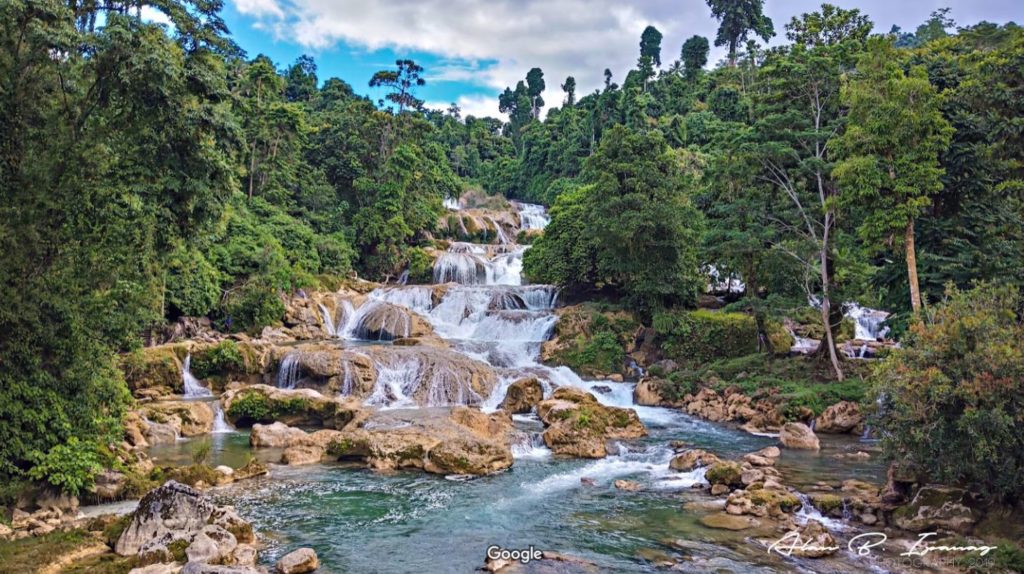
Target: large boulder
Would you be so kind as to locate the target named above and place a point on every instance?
(193, 417)
(522, 396)
(265, 404)
(799, 436)
(175, 513)
(841, 417)
(578, 425)
(155, 371)
(691, 459)
(441, 441)
(647, 392)
(937, 508)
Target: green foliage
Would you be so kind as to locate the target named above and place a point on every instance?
(223, 358)
(951, 396)
(27, 554)
(738, 19)
(255, 407)
(70, 466)
(201, 452)
(252, 307)
(635, 193)
(192, 284)
(420, 266)
(696, 337)
(594, 340)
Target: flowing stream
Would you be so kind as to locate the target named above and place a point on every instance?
(361, 521)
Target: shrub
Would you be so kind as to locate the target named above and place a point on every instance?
(70, 467)
(250, 408)
(201, 452)
(223, 358)
(193, 284)
(421, 266)
(952, 398)
(252, 307)
(701, 336)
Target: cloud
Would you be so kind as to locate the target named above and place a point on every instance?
(491, 44)
(481, 106)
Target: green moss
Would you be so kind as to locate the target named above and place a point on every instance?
(595, 338)
(113, 530)
(727, 473)
(827, 503)
(29, 554)
(221, 360)
(785, 501)
(177, 550)
(255, 407)
(697, 337)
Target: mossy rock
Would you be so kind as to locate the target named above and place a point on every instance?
(827, 503)
(155, 367)
(784, 501)
(725, 472)
(779, 338)
(697, 337)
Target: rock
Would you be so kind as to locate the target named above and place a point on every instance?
(305, 407)
(578, 425)
(756, 460)
(276, 435)
(665, 366)
(173, 568)
(719, 490)
(175, 512)
(158, 368)
(799, 436)
(692, 459)
(750, 476)
(937, 508)
(522, 396)
(163, 433)
(818, 542)
(211, 544)
(202, 568)
(109, 484)
(135, 430)
(302, 454)
(603, 389)
(723, 521)
(841, 417)
(627, 485)
(647, 392)
(769, 452)
(194, 417)
(300, 561)
(615, 378)
(5, 531)
(725, 472)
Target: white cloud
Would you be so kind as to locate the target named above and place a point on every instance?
(481, 106)
(493, 43)
(151, 14)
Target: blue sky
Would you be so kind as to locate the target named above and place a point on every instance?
(472, 49)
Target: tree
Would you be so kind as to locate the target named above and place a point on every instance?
(650, 45)
(403, 82)
(630, 227)
(534, 88)
(569, 87)
(301, 80)
(829, 27)
(738, 19)
(694, 55)
(950, 399)
(890, 167)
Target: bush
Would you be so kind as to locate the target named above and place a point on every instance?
(193, 284)
(952, 398)
(420, 266)
(70, 467)
(251, 308)
(701, 336)
(201, 452)
(596, 339)
(221, 359)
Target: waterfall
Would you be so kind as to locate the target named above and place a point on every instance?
(348, 385)
(396, 381)
(329, 327)
(403, 278)
(193, 388)
(220, 424)
(807, 512)
(469, 264)
(532, 216)
(289, 371)
(868, 323)
(451, 203)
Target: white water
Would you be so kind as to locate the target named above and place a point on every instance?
(808, 512)
(289, 371)
(451, 203)
(220, 424)
(532, 216)
(868, 323)
(193, 388)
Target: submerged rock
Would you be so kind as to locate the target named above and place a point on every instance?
(799, 436)
(579, 425)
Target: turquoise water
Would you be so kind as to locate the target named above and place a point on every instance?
(361, 521)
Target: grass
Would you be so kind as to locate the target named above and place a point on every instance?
(29, 554)
(793, 382)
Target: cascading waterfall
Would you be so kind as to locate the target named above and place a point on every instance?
(193, 388)
(289, 371)
(532, 216)
(329, 327)
(868, 323)
(220, 423)
(467, 265)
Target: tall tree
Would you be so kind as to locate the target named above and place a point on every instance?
(737, 20)
(403, 82)
(301, 80)
(569, 87)
(890, 167)
(534, 87)
(650, 45)
(694, 55)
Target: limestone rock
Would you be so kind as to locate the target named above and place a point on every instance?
(194, 417)
(627, 485)
(725, 521)
(937, 508)
(211, 544)
(647, 393)
(799, 436)
(307, 407)
(841, 417)
(522, 396)
(300, 561)
(578, 425)
(302, 454)
(818, 541)
(692, 459)
(109, 484)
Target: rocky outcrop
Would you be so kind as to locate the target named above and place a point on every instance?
(799, 436)
(522, 396)
(691, 459)
(817, 541)
(263, 403)
(191, 418)
(459, 441)
(177, 515)
(842, 417)
(648, 393)
(578, 425)
(154, 371)
(301, 561)
(940, 508)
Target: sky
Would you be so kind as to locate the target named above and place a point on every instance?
(472, 49)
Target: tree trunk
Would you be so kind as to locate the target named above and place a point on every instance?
(826, 307)
(915, 287)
